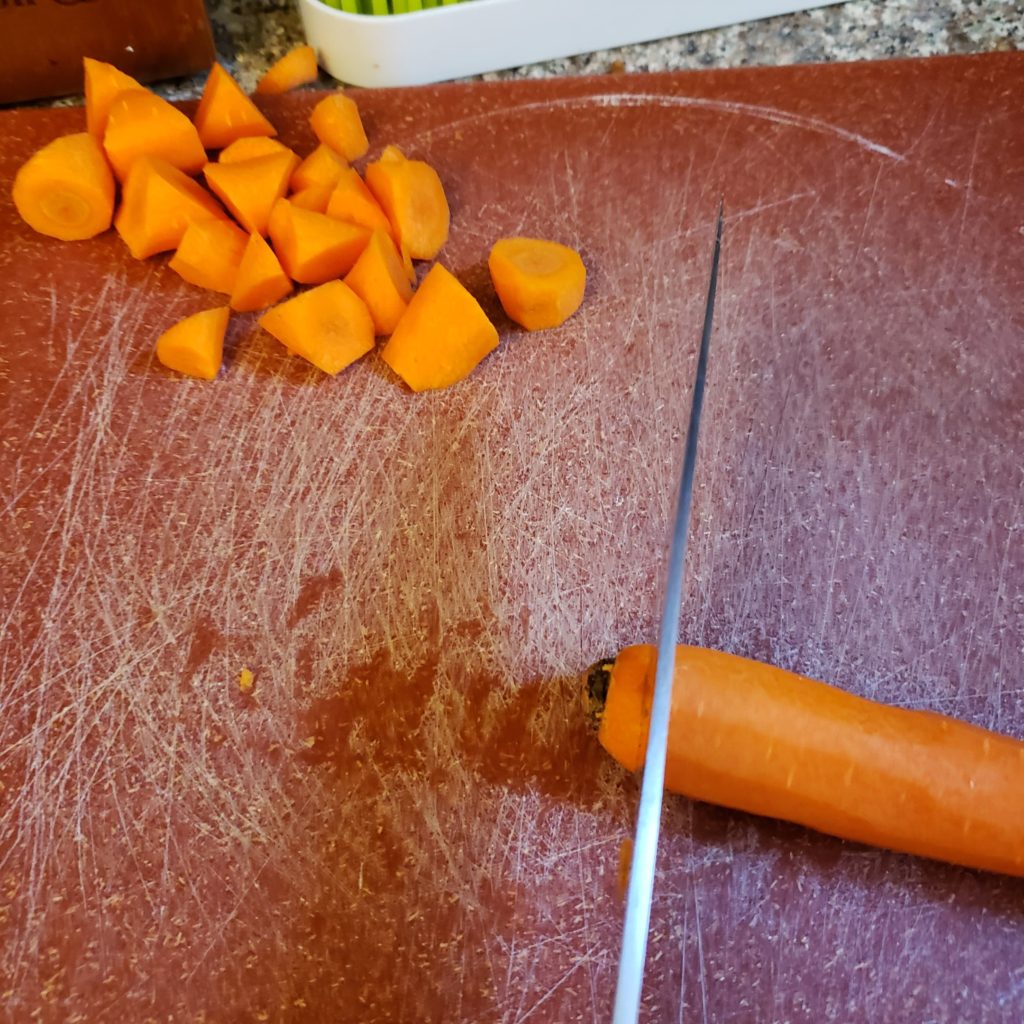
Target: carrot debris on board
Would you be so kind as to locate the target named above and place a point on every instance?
(329, 325)
(250, 188)
(336, 123)
(312, 247)
(140, 123)
(195, 345)
(249, 147)
(225, 113)
(757, 738)
(411, 194)
(540, 284)
(379, 279)
(260, 281)
(442, 335)
(158, 203)
(103, 83)
(297, 67)
(352, 201)
(322, 167)
(66, 190)
(209, 254)
(312, 197)
(625, 866)
(246, 680)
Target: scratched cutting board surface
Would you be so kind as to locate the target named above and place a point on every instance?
(406, 820)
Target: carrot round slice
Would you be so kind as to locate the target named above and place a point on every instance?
(210, 254)
(249, 148)
(225, 113)
(195, 345)
(297, 67)
(411, 194)
(260, 281)
(103, 84)
(65, 190)
(336, 123)
(540, 284)
(379, 279)
(140, 123)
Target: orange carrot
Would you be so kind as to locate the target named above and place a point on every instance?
(249, 147)
(195, 345)
(312, 197)
(103, 83)
(336, 123)
(260, 281)
(158, 204)
(210, 254)
(328, 325)
(410, 270)
(314, 248)
(411, 194)
(142, 124)
(225, 113)
(322, 167)
(442, 335)
(540, 284)
(297, 67)
(65, 190)
(753, 737)
(352, 201)
(250, 188)
(379, 279)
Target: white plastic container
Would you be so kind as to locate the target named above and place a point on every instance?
(469, 38)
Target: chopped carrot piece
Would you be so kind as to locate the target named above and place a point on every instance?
(209, 254)
(140, 123)
(411, 194)
(314, 248)
(260, 281)
(249, 147)
(322, 167)
(103, 83)
(225, 113)
(328, 325)
(297, 67)
(195, 345)
(65, 190)
(442, 335)
(336, 123)
(250, 188)
(312, 197)
(540, 284)
(379, 279)
(352, 201)
(158, 204)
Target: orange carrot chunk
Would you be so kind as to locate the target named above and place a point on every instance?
(195, 345)
(750, 736)
(322, 167)
(297, 67)
(260, 281)
(442, 335)
(336, 123)
(210, 254)
(379, 279)
(314, 248)
(312, 197)
(249, 147)
(540, 284)
(65, 190)
(250, 188)
(103, 83)
(142, 124)
(411, 194)
(158, 204)
(328, 325)
(225, 113)
(352, 201)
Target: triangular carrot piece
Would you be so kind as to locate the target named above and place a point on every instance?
(209, 254)
(379, 279)
(260, 282)
(158, 204)
(322, 167)
(195, 345)
(314, 248)
(140, 123)
(352, 201)
(297, 67)
(312, 197)
(336, 123)
(250, 188)
(225, 113)
(249, 148)
(103, 83)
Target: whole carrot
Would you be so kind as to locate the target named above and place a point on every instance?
(746, 735)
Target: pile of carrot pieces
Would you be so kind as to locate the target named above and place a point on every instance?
(259, 220)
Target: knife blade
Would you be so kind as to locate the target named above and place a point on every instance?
(645, 848)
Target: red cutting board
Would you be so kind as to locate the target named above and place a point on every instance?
(406, 820)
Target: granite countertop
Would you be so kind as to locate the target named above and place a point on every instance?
(251, 34)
